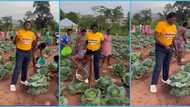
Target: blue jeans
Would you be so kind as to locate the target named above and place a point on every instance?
(22, 61)
(97, 56)
(163, 58)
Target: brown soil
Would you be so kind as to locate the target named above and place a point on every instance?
(20, 97)
(140, 94)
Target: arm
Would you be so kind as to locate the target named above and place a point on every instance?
(185, 37)
(102, 40)
(86, 43)
(34, 43)
(157, 34)
(16, 38)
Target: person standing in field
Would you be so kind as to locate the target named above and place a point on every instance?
(25, 41)
(94, 44)
(180, 42)
(107, 49)
(165, 35)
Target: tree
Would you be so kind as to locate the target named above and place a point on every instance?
(117, 13)
(7, 23)
(86, 21)
(143, 17)
(28, 15)
(43, 14)
(113, 14)
(72, 16)
(168, 8)
(146, 16)
(101, 22)
(182, 10)
(137, 18)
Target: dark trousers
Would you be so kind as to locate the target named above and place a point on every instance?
(22, 61)
(96, 56)
(163, 58)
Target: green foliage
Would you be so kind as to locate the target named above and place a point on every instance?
(115, 91)
(103, 82)
(148, 62)
(38, 84)
(3, 72)
(76, 87)
(9, 67)
(180, 79)
(139, 70)
(144, 16)
(86, 21)
(63, 100)
(13, 57)
(186, 68)
(120, 47)
(66, 69)
(44, 71)
(116, 95)
(126, 79)
(6, 46)
(52, 66)
(135, 57)
(91, 97)
(1, 58)
(180, 91)
(119, 69)
(152, 52)
(182, 11)
(180, 82)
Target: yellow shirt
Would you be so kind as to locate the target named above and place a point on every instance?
(167, 31)
(25, 39)
(94, 40)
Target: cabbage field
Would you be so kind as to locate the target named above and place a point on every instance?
(142, 63)
(39, 92)
(112, 88)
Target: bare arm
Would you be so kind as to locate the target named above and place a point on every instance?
(16, 39)
(86, 43)
(185, 37)
(34, 43)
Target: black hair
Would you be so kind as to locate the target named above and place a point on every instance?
(68, 30)
(185, 24)
(170, 15)
(108, 30)
(42, 46)
(56, 58)
(83, 30)
(26, 22)
(11, 37)
(94, 25)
